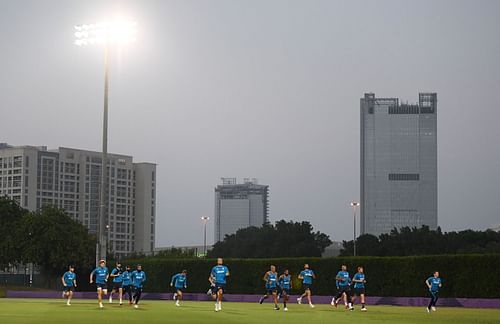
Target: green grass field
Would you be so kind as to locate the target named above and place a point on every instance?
(86, 311)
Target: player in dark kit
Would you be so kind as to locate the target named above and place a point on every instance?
(359, 287)
(127, 286)
(138, 278)
(271, 279)
(307, 276)
(116, 274)
(179, 281)
(69, 284)
(342, 283)
(219, 275)
(285, 284)
(433, 283)
(101, 279)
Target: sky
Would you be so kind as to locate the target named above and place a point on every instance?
(260, 89)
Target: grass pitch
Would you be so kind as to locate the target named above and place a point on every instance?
(14, 311)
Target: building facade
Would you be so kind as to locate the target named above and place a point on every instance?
(70, 179)
(398, 163)
(239, 206)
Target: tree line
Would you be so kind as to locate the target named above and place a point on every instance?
(49, 238)
(284, 239)
(424, 241)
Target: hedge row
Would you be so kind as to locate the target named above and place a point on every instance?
(462, 275)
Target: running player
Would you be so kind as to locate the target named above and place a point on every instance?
(101, 278)
(433, 283)
(307, 276)
(285, 284)
(359, 287)
(179, 281)
(127, 283)
(219, 274)
(271, 279)
(69, 283)
(342, 282)
(116, 274)
(138, 278)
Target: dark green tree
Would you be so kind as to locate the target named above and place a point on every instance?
(284, 239)
(52, 240)
(11, 216)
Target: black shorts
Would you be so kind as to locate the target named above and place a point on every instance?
(220, 286)
(181, 289)
(117, 285)
(307, 286)
(359, 291)
(343, 289)
(127, 288)
(101, 285)
(271, 291)
(68, 288)
(285, 291)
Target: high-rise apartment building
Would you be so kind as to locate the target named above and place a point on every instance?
(70, 179)
(398, 163)
(239, 205)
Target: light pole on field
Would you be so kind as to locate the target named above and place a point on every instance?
(205, 220)
(116, 32)
(354, 206)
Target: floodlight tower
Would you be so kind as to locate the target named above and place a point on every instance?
(117, 32)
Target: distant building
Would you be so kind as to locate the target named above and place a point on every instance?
(398, 163)
(70, 179)
(332, 250)
(239, 205)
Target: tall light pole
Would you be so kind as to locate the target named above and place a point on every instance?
(116, 32)
(205, 220)
(354, 205)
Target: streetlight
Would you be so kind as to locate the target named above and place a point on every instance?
(116, 32)
(205, 219)
(354, 205)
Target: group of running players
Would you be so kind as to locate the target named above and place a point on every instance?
(131, 283)
(123, 282)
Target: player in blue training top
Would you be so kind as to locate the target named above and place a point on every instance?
(359, 287)
(179, 281)
(433, 283)
(271, 279)
(285, 284)
(127, 286)
(69, 283)
(342, 282)
(307, 276)
(218, 277)
(101, 278)
(138, 278)
(116, 274)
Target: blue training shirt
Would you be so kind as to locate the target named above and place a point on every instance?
(219, 272)
(435, 282)
(285, 282)
(100, 275)
(69, 278)
(272, 280)
(344, 275)
(308, 276)
(179, 280)
(117, 278)
(359, 276)
(138, 278)
(126, 276)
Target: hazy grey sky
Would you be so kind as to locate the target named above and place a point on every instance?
(265, 89)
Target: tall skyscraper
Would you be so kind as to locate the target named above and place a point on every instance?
(398, 163)
(239, 206)
(70, 179)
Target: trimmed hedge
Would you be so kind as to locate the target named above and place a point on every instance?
(462, 275)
